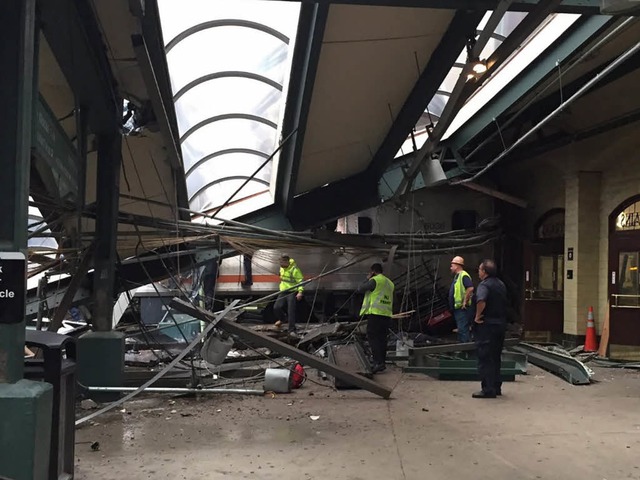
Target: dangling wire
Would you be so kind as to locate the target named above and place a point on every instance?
(560, 81)
(504, 145)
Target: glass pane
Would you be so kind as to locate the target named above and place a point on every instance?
(451, 79)
(227, 95)
(226, 48)
(545, 273)
(560, 274)
(229, 165)
(217, 194)
(628, 288)
(226, 134)
(178, 16)
(629, 218)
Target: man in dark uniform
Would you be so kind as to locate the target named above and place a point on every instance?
(489, 328)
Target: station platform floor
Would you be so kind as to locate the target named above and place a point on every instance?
(542, 428)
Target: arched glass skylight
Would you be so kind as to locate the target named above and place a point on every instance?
(229, 61)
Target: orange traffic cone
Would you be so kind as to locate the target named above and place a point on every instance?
(590, 342)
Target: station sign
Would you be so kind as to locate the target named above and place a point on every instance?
(56, 158)
(13, 280)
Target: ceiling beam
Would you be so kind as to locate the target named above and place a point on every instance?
(556, 141)
(562, 51)
(588, 7)
(72, 31)
(306, 55)
(333, 201)
(464, 89)
(462, 26)
(492, 192)
(360, 191)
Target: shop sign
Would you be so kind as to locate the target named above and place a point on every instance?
(629, 218)
(551, 227)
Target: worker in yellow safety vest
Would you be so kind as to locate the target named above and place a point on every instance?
(290, 292)
(460, 299)
(377, 309)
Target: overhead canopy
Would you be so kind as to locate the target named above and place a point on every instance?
(152, 181)
(348, 88)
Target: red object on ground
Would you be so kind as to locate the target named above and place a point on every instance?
(434, 321)
(590, 341)
(298, 376)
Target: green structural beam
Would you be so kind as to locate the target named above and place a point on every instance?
(527, 80)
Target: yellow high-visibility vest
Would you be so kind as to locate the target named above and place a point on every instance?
(459, 291)
(380, 301)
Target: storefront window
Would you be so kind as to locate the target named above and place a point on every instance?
(548, 279)
(628, 283)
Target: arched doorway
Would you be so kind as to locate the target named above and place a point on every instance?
(543, 308)
(624, 284)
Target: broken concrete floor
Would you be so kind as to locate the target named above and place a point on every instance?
(543, 428)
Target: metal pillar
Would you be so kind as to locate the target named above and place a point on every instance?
(25, 406)
(101, 352)
(108, 191)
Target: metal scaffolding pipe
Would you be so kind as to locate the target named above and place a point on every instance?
(241, 391)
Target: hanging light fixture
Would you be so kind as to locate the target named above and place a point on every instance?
(479, 67)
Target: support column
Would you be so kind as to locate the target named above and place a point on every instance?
(101, 352)
(582, 233)
(25, 406)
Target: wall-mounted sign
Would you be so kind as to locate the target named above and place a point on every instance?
(56, 158)
(570, 254)
(569, 274)
(629, 218)
(13, 278)
(551, 225)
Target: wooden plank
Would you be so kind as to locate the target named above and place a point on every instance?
(284, 349)
(604, 336)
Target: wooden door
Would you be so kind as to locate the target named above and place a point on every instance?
(543, 309)
(624, 290)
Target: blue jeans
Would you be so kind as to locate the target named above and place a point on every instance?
(463, 323)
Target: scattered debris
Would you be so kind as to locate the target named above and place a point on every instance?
(88, 404)
(558, 361)
(314, 417)
(95, 446)
(281, 347)
(351, 358)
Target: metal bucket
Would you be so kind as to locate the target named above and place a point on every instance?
(278, 380)
(215, 349)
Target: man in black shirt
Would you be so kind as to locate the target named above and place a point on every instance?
(489, 328)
